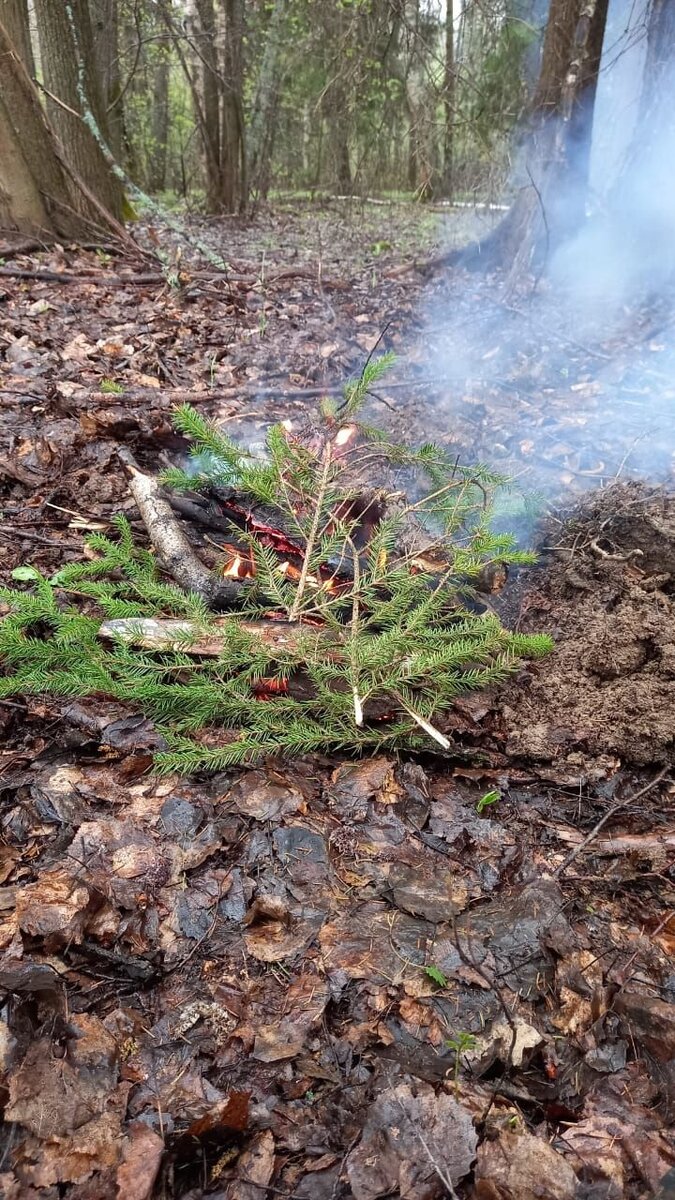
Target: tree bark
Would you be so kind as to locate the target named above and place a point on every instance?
(105, 30)
(37, 194)
(160, 127)
(552, 202)
(233, 145)
(66, 48)
(207, 49)
(448, 101)
(265, 109)
(14, 16)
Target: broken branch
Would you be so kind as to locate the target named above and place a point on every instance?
(174, 552)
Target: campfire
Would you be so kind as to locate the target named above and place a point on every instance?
(355, 611)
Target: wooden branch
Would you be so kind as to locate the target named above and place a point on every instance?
(622, 842)
(169, 634)
(136, 395)
(166, 633)
(173, 550)
(91, 276)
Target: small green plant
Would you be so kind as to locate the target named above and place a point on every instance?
(436, 975)
(379, 602)
(111, 387)
(460, 1043)
(489, 798)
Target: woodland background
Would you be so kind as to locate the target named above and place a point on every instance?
(220, 106)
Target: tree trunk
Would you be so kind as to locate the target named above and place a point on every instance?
(233, 147)
(641, 202)
(265, 109)
(207, 51)
(105, 30)
(66, 48)
(448, 101)
(160, 126)
(37, 195)
(14, 16)
(552, 202)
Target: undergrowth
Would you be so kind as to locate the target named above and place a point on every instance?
(385, 636)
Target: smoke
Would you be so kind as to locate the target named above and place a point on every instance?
(576, 385)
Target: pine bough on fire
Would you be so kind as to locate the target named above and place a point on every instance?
(387, 638)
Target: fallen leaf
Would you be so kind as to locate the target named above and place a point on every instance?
(255, 796)
(255, 1168)
(142, 1154)
(52, 1096)
(410, 1142)
(55, 904)
(519, 1166)
(507, 1042)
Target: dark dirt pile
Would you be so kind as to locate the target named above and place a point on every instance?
(606, 592)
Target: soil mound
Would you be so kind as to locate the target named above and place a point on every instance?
(606, 593)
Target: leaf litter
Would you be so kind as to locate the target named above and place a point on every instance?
(330, 979)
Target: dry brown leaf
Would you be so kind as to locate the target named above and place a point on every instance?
(255, 1168)
(257, 797)
(92, 1148)
(411, 1142)
(142, 1154)
(274, 941)
(52, 1096)
(55, 904)
(518, 1166)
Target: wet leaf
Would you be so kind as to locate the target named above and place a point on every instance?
(410, 1143)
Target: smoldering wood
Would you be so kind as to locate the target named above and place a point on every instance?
(177, 556)
(202, 510)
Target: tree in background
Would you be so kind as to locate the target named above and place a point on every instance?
(221, 102)
(40, 194)
(551, 203)
(106, 57)
(75, 106)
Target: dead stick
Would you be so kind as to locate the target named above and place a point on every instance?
(607, 817)
(172, 547)
(91, 276)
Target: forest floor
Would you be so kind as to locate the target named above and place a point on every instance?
(332, 979)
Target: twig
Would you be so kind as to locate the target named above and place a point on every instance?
(574, 854)
(438, 1170)
(309, 549)
(86, 276)
(423, 723)
(189, 396)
